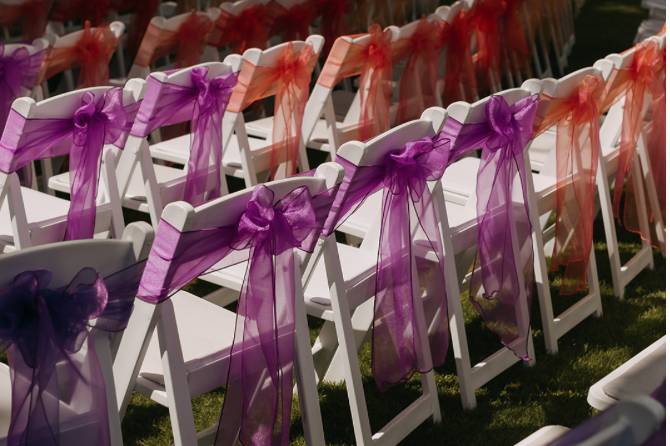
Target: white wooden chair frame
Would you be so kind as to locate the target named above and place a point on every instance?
(177, 393)
(540, 209)
(130, 249)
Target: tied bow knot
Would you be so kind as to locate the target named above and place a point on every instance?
(507, 126)
(286, 224)
(408, 169)
(585, 102)
(95, 112)
(214, 93)
(30, 311)
(379, 48)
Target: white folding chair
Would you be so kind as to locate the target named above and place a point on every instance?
(643, 184)
(172, 24)
(180, 348)
(30, 217)
(148, 187)
(131, 248)
(36, 46)
(631, 422)
(68, 40)
(545, 184)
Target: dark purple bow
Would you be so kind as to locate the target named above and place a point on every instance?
(44, 330)
(203, 103)
(256, 410)
(505, 253)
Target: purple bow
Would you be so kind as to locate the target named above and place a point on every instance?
(404, 177)
(18, 74)
(98, 121)
(258, 411)
(505, 255)
(203, 103)
(44, 330)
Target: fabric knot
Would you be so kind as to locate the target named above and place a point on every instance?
(504, 126)
(99, 112)
(30, 310)
(585, 102)
(212, 93)
(286, 224)
(379, 48)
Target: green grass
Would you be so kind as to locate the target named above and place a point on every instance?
(523, 398)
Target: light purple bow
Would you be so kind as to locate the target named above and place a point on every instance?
(18, 74)
(44, 329)
(203, 103)
(503, 137)
(98, 121)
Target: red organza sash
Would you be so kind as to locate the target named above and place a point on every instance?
(288, 80)
(514, 35)
(373, 62)
(293, 23)
(144, 11)
(418, 80)
(486, 19)
(643, 79)
(188, 42)
(459, 73)
(32, 15)
(577, 149)
(249, 29)
(91, 53)
(94, 11)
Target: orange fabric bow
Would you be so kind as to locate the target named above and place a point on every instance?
(288, 80)
(373, 62)
(577, 149)
(643, 78)
(486, 18)
(249, 29)
(32, 15)
(418, 80)
(187, 41)
(459, 73)
(92, 53)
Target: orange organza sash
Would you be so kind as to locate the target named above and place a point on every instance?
(187, 41)
(143, 13)
(373, 62)
(249, 29)
(92, 53)
(577, 149)
(418, 80)
(32, 15)
(94, 11)
(293, 23)
(459, 73)
(288, 80)
(333, 20)
(486, 18)
(514, 35)
(643, 78)
(656, 140)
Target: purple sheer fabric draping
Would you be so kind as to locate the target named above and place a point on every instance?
(257, 406)
(97, 121)
(403, 175)
(44, 330)
(18, 74)
(203, 103)
(504, 247)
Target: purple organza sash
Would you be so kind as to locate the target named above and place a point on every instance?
(257, 407)
(44, 330)
(203, 103)
(403, 175)
(18, 74)
(98, 121)
(504, 250)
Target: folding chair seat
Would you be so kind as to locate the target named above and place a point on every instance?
(40, 131)
(178, 346)
(79, 417)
